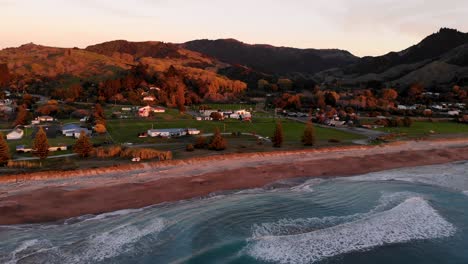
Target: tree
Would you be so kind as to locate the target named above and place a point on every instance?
(41, 144)
(4, 150)
(181, 99)
(278, 136)
(308, 139)
(407, 122)
(83, 145)
(100, 129)
(200, 142)
(216, 116)
(99, 117)
(21, 117)
(217, 142)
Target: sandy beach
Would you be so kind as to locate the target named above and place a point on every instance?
(51, 196)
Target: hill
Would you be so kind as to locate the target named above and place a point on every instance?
(269, 59)
(33, 60)
(440, 59)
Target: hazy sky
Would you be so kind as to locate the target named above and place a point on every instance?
(364, 27)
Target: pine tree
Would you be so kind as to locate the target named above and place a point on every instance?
(217, 143)
(4, 151)
(41, 144)
(98, 115)
(21, 117)
(278, 136)
(83, 145)
(308, 139)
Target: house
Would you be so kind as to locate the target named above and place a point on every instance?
(15, 134)
(149, 98)
(453, 113)
(43, 119)
(159, 109)
(69, 130)
(168, 132)
(193, 131)
(145, 111)
(77, 133)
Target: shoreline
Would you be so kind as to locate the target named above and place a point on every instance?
(51, 196)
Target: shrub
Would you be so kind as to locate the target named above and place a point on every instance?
(100, 129)
(189, 148)
(146, 154)
(108, 152)
(200, 143)
(21, 164)
(407, 122)
(217, 143)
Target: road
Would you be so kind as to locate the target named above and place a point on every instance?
(50, 157)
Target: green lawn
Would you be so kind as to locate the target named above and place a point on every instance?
(424, 128)
(127, 130)
(227, 106)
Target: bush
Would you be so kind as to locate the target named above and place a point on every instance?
(217, 143)
(200, 143)
(407, 122)
(146, 154)
(22, 164)
(190, 148)
(108, 152)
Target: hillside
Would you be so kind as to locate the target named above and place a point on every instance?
(440, 59)
(162, 54)
(35, 60)
(270, 59)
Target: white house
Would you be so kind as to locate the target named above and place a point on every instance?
(453, 113)
(69, 130)
(15, 134)
(168, 132)
(149, 98)
(45, 119)
(193, 131)
(77, 132)
(145, 111)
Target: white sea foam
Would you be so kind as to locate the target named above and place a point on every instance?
(116, 241)
(301, 225)
(453, 176)
(114, 214)
(95, 248)
(413, 219)
(308, 185)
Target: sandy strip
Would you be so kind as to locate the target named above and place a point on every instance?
(50, 196)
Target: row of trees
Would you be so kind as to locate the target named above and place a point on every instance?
(83, 146)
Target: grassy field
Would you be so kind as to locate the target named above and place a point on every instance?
(127, 130)
(424, 128)
(227, 106)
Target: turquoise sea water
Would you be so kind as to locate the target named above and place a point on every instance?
(415, 215)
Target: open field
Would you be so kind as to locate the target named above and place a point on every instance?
(127, 130)
(425, 128)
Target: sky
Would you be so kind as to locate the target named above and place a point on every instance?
(363, 27)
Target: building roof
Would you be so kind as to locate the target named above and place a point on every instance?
(70, 126)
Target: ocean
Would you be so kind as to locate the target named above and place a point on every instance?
(411, 215)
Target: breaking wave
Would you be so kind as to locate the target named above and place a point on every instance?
(413, 219)
(453, 176)
(94, 248)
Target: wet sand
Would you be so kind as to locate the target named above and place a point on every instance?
(51, 196)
